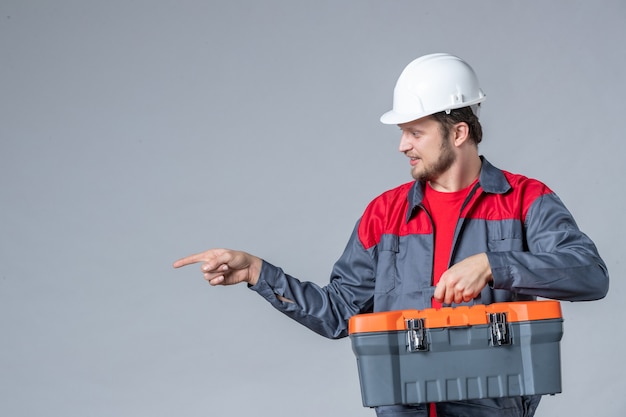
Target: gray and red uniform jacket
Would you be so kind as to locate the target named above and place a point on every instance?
(532, 242)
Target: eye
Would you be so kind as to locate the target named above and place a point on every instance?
(414, 133)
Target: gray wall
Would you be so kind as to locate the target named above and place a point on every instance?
(136, 132)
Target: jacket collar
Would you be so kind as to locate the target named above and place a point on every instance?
(491, 180)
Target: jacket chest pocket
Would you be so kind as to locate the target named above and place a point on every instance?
(386, 267)
(505, 235)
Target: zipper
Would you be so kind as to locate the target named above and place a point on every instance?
(461, 220)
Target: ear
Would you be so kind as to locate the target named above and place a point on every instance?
(460, 133)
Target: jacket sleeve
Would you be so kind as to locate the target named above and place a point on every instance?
(325, 310)
(560, 263)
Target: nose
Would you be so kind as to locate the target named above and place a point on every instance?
(405, 143)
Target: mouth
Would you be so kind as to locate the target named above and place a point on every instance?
(413, 161)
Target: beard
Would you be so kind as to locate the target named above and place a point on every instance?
(444, 161)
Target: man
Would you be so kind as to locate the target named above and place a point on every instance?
(464, 232)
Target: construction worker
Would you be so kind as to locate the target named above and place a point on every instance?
(463, 232)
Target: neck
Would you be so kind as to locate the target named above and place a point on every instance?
(459, 176)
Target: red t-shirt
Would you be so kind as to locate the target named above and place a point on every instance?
(445, 210)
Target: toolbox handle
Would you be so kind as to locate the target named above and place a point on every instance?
(516, 311)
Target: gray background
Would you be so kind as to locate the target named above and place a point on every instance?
(133, 133)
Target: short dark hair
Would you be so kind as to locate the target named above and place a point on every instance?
(464, 114)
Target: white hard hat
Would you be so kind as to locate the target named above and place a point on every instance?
(433, 83)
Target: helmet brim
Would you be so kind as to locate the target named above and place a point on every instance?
(392, 117)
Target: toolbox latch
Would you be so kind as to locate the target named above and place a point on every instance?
(499, 329)
(415, 335)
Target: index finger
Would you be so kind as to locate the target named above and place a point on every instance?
(191, 259)
(440, 292)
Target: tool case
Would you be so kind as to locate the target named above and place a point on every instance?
(458, 353)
